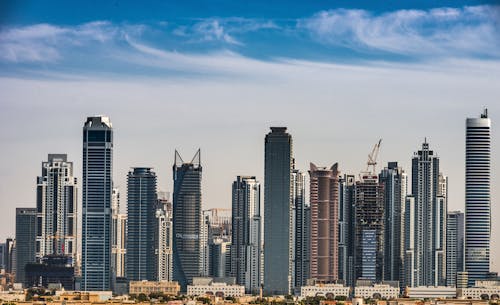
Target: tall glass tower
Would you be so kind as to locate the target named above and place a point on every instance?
(394, 180)
(25, 241)
(97, 182)
(187, 217)
(56, 208)
(141, 224)
(246, 247)
(477, 197)
(425, 222)
(454, 247)
(302, 225)
(278, 220)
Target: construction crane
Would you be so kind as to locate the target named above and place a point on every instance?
(372, 160)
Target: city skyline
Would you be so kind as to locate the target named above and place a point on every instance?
(379, 168)
(216, 76)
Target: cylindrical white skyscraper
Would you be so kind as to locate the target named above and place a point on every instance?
(477, 197)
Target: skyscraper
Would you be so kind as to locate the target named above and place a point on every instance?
(57, 209)
(324, 192)
(187, 217)
(3, 255)
(278, 234)
(164, 239)
(347, 221)
(97, 182)
(9, 255)
(454, 246)
(302, 225)
(119, 235)
(425, 222)
(246, 238)
(141, 229)
(369, 229)
(394, 180)
(477, 197)
(25, 240)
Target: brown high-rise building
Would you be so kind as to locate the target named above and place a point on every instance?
(324, 222)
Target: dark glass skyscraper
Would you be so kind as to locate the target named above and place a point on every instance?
(393, 178)
(455, 242)
(302, 227)
(187, 216)
(141, 262)
(25, 240)
(97, 188)
(477, 197)
(278, 234)
(347, 221)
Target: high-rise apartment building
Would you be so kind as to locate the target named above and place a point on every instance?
(278, 220)
(216, 230)
(369, 229)
(302, 225)
(164, 239)
(57, 209)
(220, 257)
(324, 198)
(425, 222)
(246, 247)
(455, 242)
(25, 240)
(97, 192)
(119, 235)
(477, 197)
(347, 221)
(394, 180)
(187, 218)
(142, 198)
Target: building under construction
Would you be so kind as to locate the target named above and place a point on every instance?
(369, 223)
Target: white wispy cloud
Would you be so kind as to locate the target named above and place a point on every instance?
(441, 31)
(47, 43)
(213, 30)
(223, 29)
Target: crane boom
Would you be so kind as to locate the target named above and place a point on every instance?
(372, 158)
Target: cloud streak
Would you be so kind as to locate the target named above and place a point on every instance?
(458, 32)
(214, 44)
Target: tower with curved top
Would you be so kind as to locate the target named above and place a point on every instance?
(477, 197)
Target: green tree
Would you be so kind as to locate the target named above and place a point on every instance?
(142, 297)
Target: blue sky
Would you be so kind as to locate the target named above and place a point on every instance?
(125, 37)
(216, 74)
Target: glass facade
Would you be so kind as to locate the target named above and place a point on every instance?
(187, 217)
(278, 217)
(477, 197)
(141, 261)
(97, 186)
(25, 240)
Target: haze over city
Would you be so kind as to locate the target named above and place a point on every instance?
(216, 76)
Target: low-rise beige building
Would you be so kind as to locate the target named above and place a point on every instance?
(216, 289)
(431, 292)
(326, 290)
(148, 287)
(377, 291)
